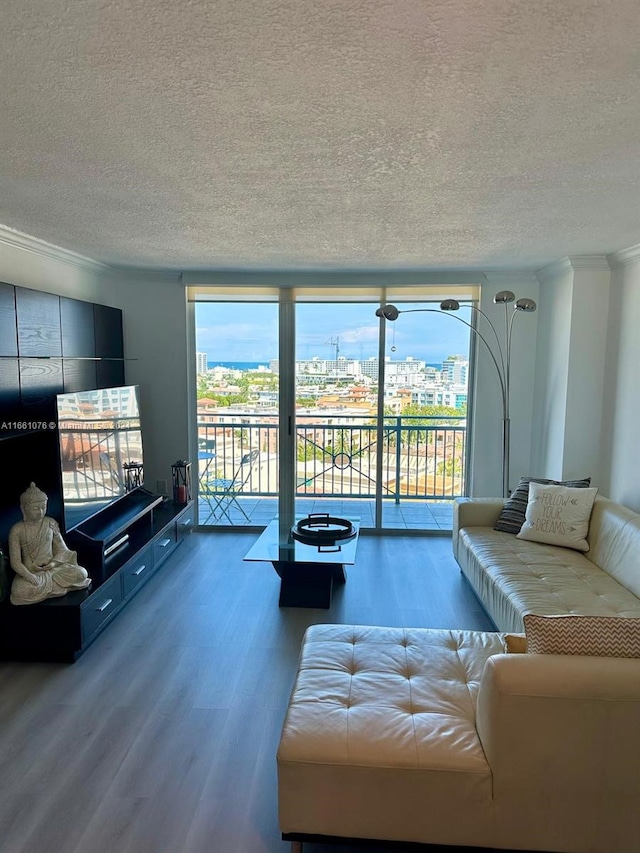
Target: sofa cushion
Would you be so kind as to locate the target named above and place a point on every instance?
(514, 510)
(598, 636)
(558, 515)
(614, 539)
(514, 577)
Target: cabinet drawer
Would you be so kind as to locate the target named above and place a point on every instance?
(137, 571)
(164, 544)
(100, 607)
(184, 523)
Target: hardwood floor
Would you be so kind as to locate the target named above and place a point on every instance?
(162, 737)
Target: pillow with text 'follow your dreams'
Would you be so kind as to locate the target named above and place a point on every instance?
(512, 514)
(558, 515)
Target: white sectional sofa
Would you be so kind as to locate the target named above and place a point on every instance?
(440, 737)
(513, 576)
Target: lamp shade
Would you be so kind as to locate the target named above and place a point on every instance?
(389, 312)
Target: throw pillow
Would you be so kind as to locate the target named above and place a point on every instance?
(513, 512)
(558, 515)
(515, 644)
(599, 636)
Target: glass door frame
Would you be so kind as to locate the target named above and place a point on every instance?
(287, 298)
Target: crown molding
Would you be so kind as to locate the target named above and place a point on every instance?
(624, 256)
(11, 237)
(589, 262)
(574, 263)
(554, 270)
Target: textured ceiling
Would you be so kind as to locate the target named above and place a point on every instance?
(341, 134)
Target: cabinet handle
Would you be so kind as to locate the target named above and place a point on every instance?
(187, 523)
(104, 606)
(140, 570)
(164, 542)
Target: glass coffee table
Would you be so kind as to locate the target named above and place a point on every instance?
(307, 572)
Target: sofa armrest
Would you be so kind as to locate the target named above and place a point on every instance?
(474, 512)
(561, 734)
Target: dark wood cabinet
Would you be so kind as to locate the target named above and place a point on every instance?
(77, 328)
(78, 344)
(109, 346)
(78, 375)
(9, 372)
(8, 323)
(50, 344)
(38, 316)
(40, 381)
(108, 331)
(61, 629)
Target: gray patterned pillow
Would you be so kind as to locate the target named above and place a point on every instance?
(514, 511)
(597, 636)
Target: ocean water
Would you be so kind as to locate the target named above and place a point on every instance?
(254, 365)
(238, 365)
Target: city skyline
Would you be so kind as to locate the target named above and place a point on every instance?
(249, 332)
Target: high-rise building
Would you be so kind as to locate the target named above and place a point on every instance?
(455, 369)
(201, 362)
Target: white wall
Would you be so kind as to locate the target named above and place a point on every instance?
(587, 354)
(621, 406)
(155, 327)
(586, 402)
(552, 372)
(486, 479)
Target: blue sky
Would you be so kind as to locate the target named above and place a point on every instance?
(249, 332)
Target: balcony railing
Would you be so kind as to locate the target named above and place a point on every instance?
(422, 458)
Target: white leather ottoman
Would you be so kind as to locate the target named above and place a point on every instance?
(379, 740)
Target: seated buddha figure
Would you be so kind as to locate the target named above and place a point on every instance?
(44, 566)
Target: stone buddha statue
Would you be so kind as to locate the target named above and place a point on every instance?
(44, 566)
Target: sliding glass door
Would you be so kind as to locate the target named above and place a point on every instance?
(336, 389)
(425, 426)
(237, 410)
(312, 404)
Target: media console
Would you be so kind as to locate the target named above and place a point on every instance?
(121, 548)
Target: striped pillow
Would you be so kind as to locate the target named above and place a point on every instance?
(514, 511)
(598, 636)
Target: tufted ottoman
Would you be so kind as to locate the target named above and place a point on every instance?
(380, 741)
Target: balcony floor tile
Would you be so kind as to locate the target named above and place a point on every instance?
(410, 515)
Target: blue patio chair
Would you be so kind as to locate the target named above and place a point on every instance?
(221, 494)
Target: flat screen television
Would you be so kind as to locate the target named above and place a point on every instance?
(100, 449)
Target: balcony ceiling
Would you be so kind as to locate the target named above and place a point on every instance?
(353, 134)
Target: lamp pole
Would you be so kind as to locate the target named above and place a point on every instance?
(500, 352)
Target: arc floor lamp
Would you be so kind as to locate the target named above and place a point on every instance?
(499, 350)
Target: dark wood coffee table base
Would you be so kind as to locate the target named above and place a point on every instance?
(307, 572)
(308, 584)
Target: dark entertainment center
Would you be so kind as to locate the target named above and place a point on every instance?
(51, 344)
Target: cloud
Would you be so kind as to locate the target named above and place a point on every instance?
(249, 332)
(359, 335)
